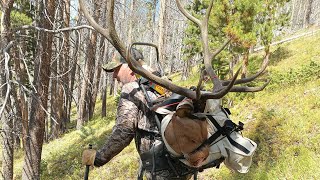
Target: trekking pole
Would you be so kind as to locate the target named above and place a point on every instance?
(86, 174)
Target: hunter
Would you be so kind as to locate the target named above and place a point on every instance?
(134, 121)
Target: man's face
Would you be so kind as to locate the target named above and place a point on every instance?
(123, 74)
(116, 73)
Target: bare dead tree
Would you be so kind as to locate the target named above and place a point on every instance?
(66, 65)
(59, 80)
(36, 130)
(85, 112)
(100, 55)
(162, 23)
(74, 65)
(5, 89)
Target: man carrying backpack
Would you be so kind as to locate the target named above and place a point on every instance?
(136, 121)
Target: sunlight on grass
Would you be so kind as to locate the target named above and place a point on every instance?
(61, 158)
(301, 51)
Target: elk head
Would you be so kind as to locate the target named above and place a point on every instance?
(220, 87)
(185, 133)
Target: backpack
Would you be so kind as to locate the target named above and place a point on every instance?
(224, 139)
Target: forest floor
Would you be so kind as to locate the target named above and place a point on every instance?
(283, 119)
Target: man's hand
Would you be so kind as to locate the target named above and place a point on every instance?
(88, 157)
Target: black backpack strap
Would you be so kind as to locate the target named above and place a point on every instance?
(214, 136)
(226, 130)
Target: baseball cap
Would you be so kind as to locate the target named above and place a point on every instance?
(117, 60)
(114, 63)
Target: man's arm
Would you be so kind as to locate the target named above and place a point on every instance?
(124, 130)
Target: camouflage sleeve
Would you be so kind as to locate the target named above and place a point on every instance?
(124, 130)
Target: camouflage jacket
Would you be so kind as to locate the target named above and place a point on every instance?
(132, 115)
(135, 120)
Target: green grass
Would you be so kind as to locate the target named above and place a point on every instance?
(285, 124)
(283, 120)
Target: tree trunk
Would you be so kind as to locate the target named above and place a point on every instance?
(307, 13)
(186, 70)
(7, 146)
(97, 77)
(245, 64)
(131, 21)
(16, 119)
(104, 83)
(74, 67)
(100, 57)
(267, 55)
(54, 120)
(66, 64)
(151, 26)
(104, 95)
(300, 11)
(115, 87)
(86, 89)
(232, 63)
(58, 93)
(7, 124)
(162, 23)
(112, 84)
(82, 110)
(21, 99)
(39, 100)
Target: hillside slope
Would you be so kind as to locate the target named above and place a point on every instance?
(284, 120)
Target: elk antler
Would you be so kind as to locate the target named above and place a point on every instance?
(253, 77)
(208, 57)
(220, 89)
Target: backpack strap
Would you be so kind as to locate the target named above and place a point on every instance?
(226, 130)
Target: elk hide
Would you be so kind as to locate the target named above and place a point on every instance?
(235, 159)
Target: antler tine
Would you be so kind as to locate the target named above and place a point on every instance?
(94, 24)
(188, 15)
(208, 11)
(246, 80)
(253, 77)
(198, 90)
(222, 91)
(249, 89)
(207, 55)
(218, 91)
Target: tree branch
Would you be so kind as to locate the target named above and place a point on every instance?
(7, 71)
(28, 73)
(53, 30)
